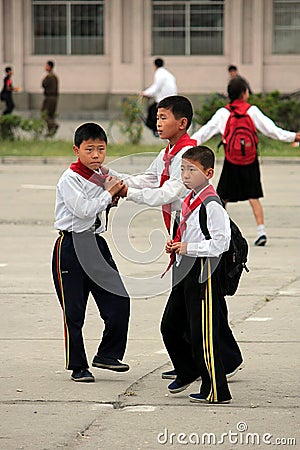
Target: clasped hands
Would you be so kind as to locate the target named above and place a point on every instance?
(177, 247)
(115, 186)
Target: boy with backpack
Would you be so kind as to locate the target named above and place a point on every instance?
(237, 122)
(196, 298)
(161, 185)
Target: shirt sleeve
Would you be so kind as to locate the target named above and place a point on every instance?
(152, 90)
(78, 203)
(169, 192)
(214, 126)
(155, 195)
(267, 127)
(218, 225)
(150, 178)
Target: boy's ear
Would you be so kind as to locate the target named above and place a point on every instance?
(76, 150)
(210, 173)
(183, 123)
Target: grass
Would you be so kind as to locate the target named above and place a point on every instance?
(46, 148)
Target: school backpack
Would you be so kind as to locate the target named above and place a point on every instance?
(233, 261)
(240, 138)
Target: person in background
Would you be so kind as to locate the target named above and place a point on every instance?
(7, 90)
(233, 72)
(50, 86)
(243, 182)
(164, 85)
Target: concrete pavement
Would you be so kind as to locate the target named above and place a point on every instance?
(41, 408)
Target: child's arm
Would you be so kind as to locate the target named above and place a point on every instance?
(145, 189)
(214, 126)
(267, 127)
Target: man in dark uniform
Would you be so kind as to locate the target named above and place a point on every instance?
(50, 85)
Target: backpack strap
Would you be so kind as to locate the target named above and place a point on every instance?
(203, 214)
(203, 225)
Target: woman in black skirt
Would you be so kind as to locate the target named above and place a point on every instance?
(239, 182)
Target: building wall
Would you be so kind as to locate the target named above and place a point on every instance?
(99, 82)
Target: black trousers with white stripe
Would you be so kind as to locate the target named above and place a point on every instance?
(230, 352)
(82, 264)
(196, 309)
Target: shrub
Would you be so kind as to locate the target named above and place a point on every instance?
(9, 124)
(36, 126)
(131, 122)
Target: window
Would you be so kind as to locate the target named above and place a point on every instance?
(187, 27)
(286, 27)
(68, 27)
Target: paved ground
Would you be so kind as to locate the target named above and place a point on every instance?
(41, 408)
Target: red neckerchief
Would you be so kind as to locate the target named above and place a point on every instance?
(96, 178)
(184, 141)
(88, 174)
(186, 211)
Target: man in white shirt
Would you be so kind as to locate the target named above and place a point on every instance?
(164, 85)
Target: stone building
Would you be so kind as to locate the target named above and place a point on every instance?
(104, 49)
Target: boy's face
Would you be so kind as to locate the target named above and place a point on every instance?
(168, 127)
(91, 153)
(194, 176)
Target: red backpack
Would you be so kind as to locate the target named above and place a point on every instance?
(240, 138)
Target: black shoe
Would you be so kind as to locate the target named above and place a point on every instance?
(261, 241)
(235, 371)
(177, 386)
(83, 375)
(110, 364)
(199, 398)
(170, 375)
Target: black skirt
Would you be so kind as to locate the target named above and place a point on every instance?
(238, 183)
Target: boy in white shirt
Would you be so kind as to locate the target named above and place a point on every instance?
(82, 262)
(195, 300)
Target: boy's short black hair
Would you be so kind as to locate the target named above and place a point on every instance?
(50, 64)
(236, 87)
(180, 107)
(87, 131)
(202, 154)
(158, 62)
(8, 69)
(232, 68)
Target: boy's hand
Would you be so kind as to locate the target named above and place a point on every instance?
(168, 247)
(123, 191)
(297, 138)
(113, 185)
(180, 248)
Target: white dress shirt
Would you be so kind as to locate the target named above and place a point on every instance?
(78, 202)
(144, 188)
(164, 85)
(263, 123)
(218, 225)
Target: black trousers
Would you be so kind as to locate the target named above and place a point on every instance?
(151, 117)
(196, 308)
(82, 264)
(230, 352)
(10, 105)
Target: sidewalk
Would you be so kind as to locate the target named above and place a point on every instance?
(41, 408)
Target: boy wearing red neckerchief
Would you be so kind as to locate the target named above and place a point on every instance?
(195, 300)
(82, 263)
(161, 185)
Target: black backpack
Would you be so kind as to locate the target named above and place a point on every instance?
(233, 261)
